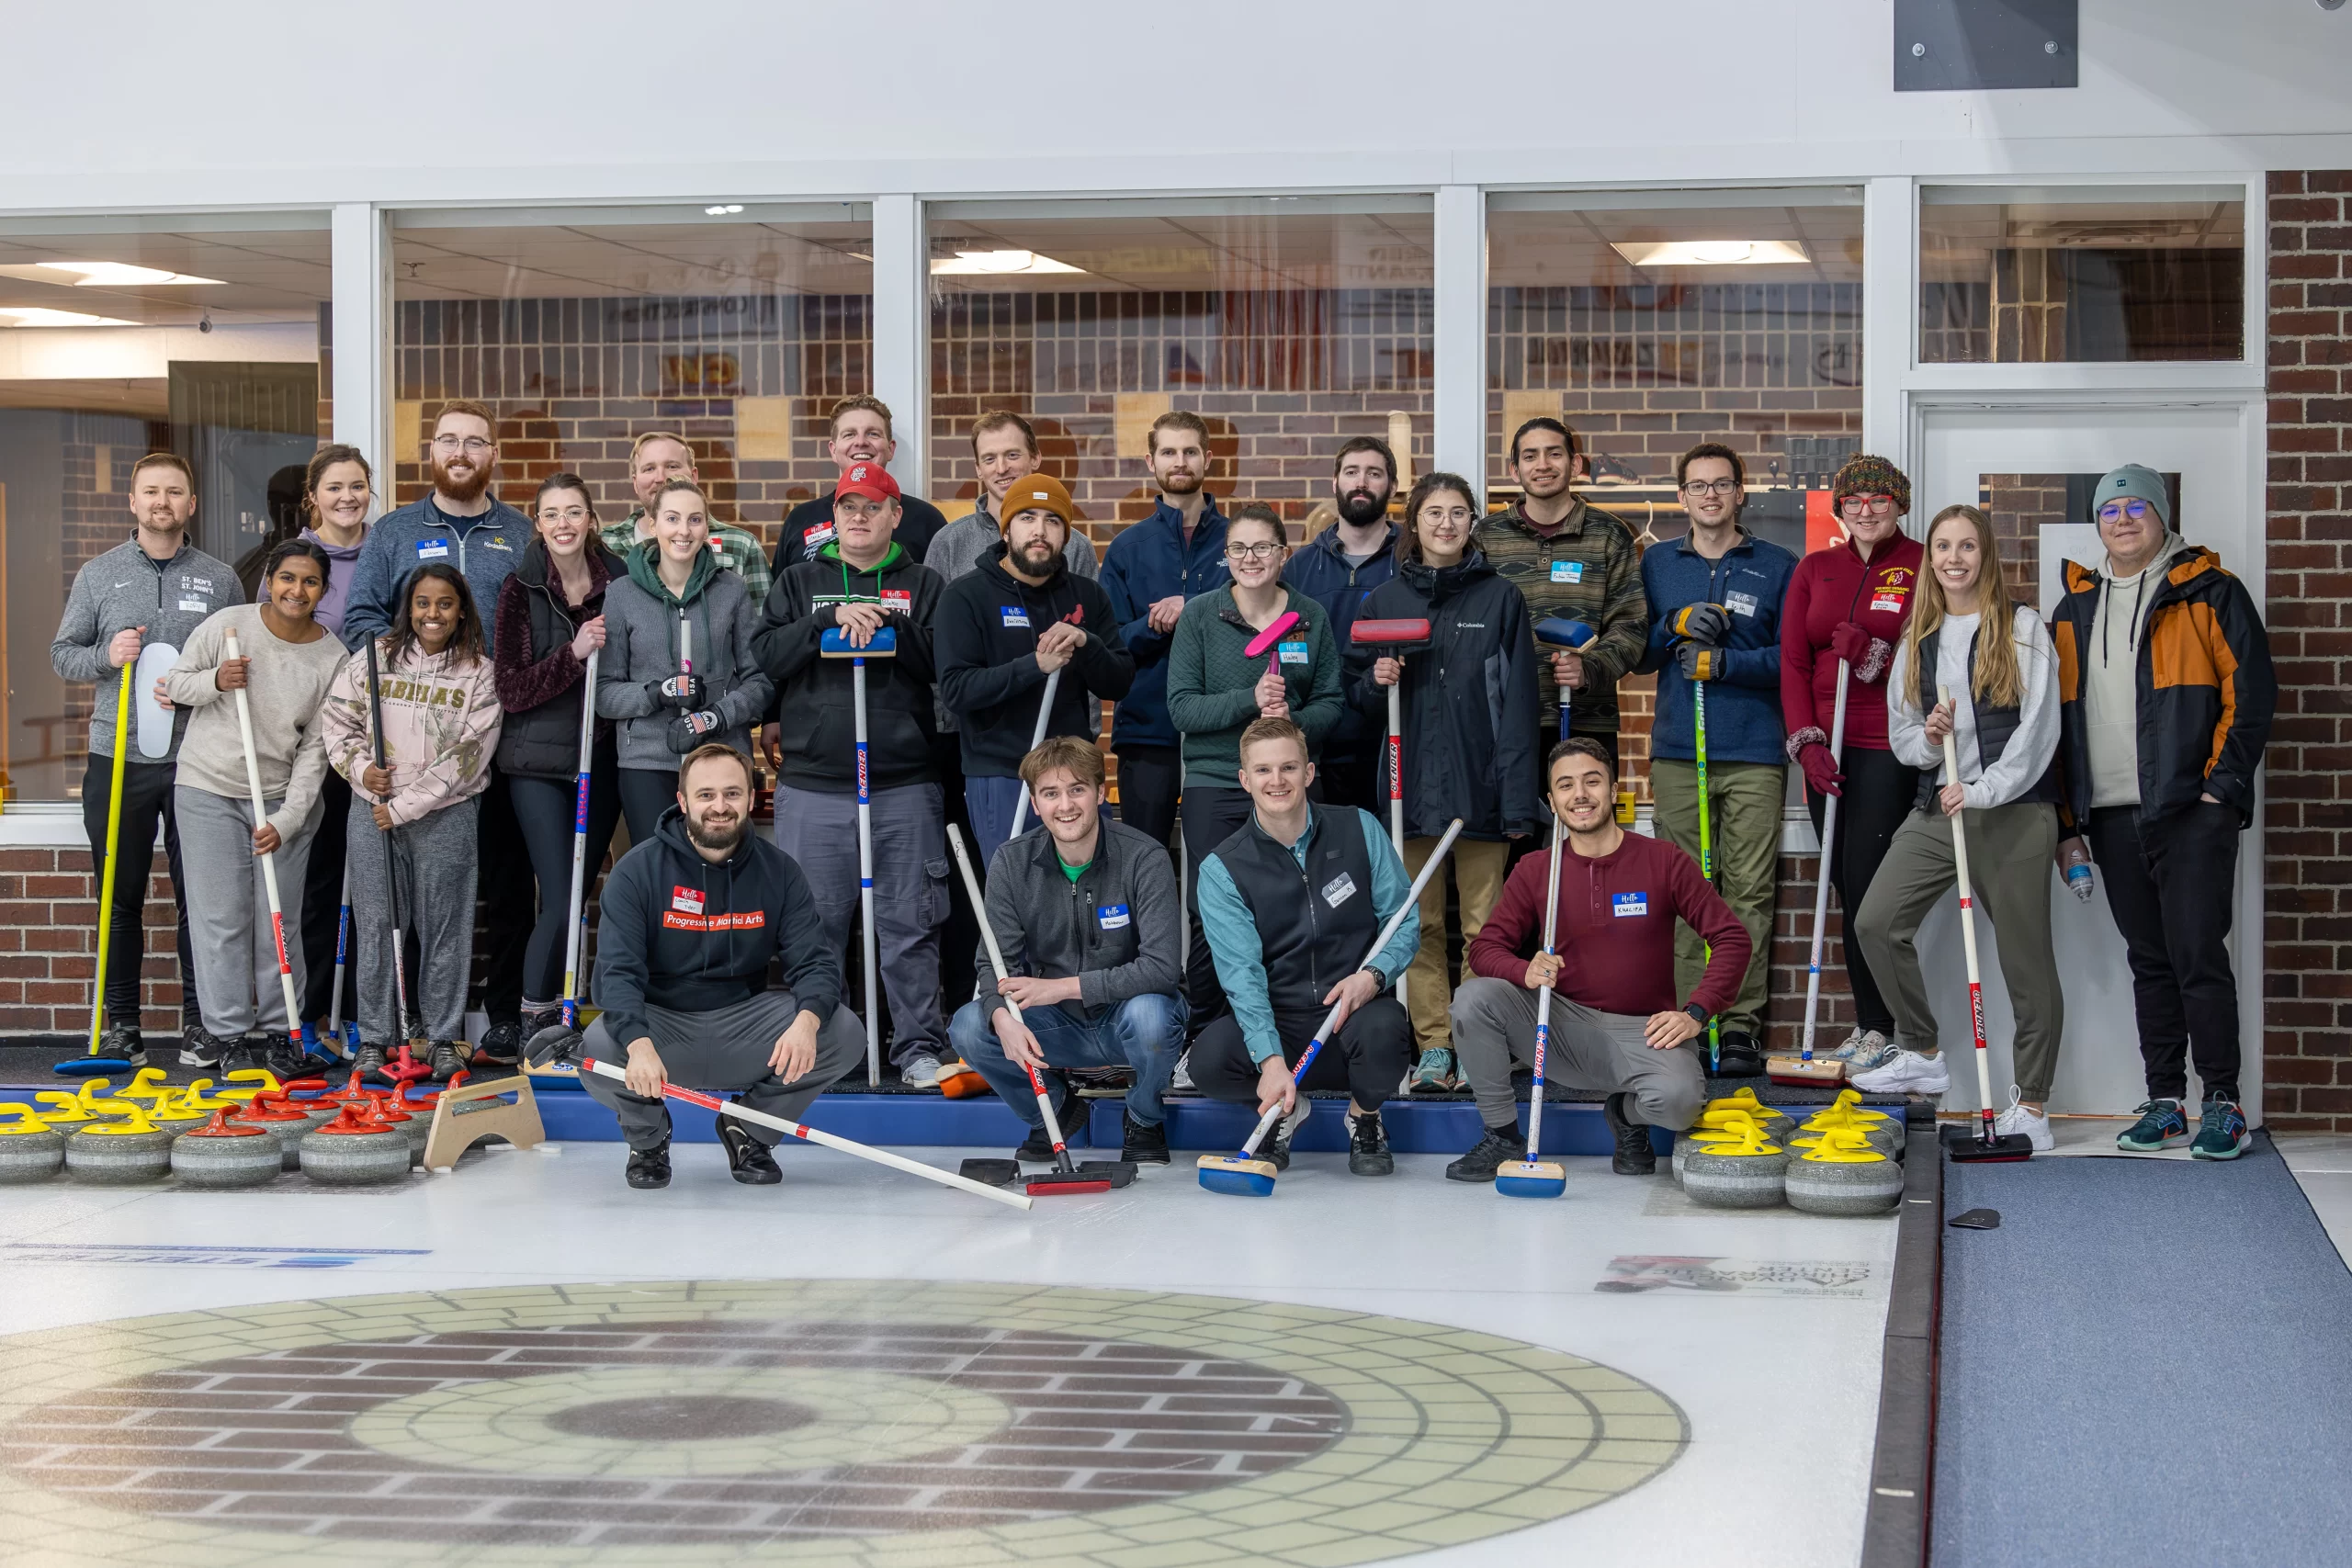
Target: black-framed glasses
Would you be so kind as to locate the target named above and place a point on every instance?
(1252, 552)
(1699, 490)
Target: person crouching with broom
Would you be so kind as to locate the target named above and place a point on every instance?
(1614, 1023)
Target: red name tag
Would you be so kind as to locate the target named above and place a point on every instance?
(823, 534)
(687, 900)
(899, 599)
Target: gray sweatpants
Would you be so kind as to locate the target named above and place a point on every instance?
(235, 953)
(435, 866)
(724, 1052)
(1494, 1025)
(820, 832)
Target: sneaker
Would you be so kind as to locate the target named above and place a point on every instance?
(1863, 1049)
(1432, 1074)
(1485, 1156)
(1276, 1147)
(502, 1045)
(649, 1168)
(921, 1071)
(292, 1056)
(1368, 1146)
(1905, 1072)
(1037, 1148)
(199, 1047)
(1741, 1055)
(1181, 1078)
(448, 1057)
(369, 1064)
(121, 1043)
(1142, 1143)
(751, 1161)
(1633, 1156)
(2221, 1130)
(2032, 1123)
(2162, 1125)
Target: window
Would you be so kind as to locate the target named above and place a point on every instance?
(200, 335)
(2018, 276)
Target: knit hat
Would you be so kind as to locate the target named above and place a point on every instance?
(2130, 480)
(1034, 492)
(1866, 475)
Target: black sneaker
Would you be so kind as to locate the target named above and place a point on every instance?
(199, 1047)
(1368, 1146)
(752, 1161)
(1037, 1148)
(502, 1045)
(649, 1168)
(368, 1063)
(1633, 1156)
(447, 1056)
(1488, 1154)
(1142, 1143)
(121, 1044)
(292, 1056)
(1742, 1056)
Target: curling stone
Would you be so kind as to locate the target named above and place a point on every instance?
(119, 1154)
(1844, 1175)
(1746, 1174)
(92, 1104)
(354, 1150)
(416, 1127)
(67, 1110)
(1885, 1135)
(173, 1112)
(1729, 1128)
(1774, 1122)
(246, 1082)
(226, 1154)
(145, 1087)
(284, 1121)
(31, 1150)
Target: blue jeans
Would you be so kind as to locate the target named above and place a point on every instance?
(1143, 1032)
(991, 804)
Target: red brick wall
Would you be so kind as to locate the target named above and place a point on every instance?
(49, 913)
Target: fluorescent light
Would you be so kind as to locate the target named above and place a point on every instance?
(999, 262)
(120, 275)
(1708, 252)
(33, 315)
(725, 209)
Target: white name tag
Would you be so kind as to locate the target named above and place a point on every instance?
(1291, 652)
(1113, 917)
(196, 606)
(1338, 890)
(1740, 604)
(1626, 906)
(433, 550)
(823, 534)
(1568, 572)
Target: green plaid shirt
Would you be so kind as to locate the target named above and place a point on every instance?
(1587, 570)
(738, 551)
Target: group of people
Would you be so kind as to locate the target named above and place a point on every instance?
(421, 691)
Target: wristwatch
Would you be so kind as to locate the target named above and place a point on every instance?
(1697, 1014)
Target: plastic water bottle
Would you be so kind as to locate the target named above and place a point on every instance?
(2078, 871)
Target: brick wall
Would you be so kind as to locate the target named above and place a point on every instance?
(48, 912)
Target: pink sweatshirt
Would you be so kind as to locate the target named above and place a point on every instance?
(441, 722)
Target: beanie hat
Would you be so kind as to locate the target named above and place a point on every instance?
(2130, 480)
(1034, 492)
(1866, 475)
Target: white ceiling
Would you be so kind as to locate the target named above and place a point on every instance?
(570, 261)
(281, 275)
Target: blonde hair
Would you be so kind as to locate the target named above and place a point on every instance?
(1997, 682)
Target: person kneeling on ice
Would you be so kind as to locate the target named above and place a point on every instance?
(1290, 904)
(1615, 1024)
(692, 917)
(1086, 912)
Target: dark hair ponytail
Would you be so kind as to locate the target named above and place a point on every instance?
(298, 545)
(466, 643)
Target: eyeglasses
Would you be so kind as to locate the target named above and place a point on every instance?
(563, 514)
(1699, 490)
(472, 446)
(2116, 511)
(1855, 505)
(1252, 552)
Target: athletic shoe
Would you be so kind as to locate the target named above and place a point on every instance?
(1037, 1148)
(752, 1162)
(2221, 1130)
(369, 1064)
(921, 1071)
(1432, 1074)
(199, 1047)
(1486, 1154)
(2161, 1125)
(502, 1045)
(2034, 1124)
(1633, 1156)
(291, 1056)
(121, 1042)
(1368, 1146)
(1863, 1049)
(446, 1058)
(1142, 1143)
(1277, 1144)
(1906, 1072)
(1181, 1077)
(649, 1168)
(1741, 1055)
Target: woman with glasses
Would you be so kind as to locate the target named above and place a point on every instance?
(1468, 712)
(550, 619)
(1846, 606)
(1215, 689)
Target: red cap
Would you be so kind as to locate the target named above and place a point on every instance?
(870, 479)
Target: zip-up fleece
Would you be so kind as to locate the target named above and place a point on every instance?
(986, 641)
(641, 646)
(1145, 564)
(2205, 684)
(1587, 570)
(1743, 706)
(1119, 928)
(818, 729)
(677, 931)
(483, 549)
(441, 722)
(1469, 699)
(1833, 586)
(1326, 576)
(126, 587)
(540, 680)
(1212, 683)
(738, 550)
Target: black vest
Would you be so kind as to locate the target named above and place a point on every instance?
(1315, 924)
(1995, 725)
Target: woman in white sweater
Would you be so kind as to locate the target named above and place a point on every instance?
(1995, 658)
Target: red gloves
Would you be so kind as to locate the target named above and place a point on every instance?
(1821, 774)
(1849, 642)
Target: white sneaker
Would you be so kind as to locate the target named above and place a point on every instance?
(2032, 1123)
(1863, 1049)
(1301, 1108)
(1904, 1072)
(1183, 1077)
(922, 1072)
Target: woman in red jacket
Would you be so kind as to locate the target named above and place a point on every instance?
(1847, 603)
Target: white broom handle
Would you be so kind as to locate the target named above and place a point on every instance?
(865, 883)
(1544, 1002)
(996, 963)
(1821, 888)
(580, 829)
(268, 862)
(1036, 739)
(1967, 916)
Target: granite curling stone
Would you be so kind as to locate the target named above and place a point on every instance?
(1746, 1174)
(1844, 1175)
(119, 1153)
(354, 1150)
(31, 1150)
(225, 1154)
(1730, 1127)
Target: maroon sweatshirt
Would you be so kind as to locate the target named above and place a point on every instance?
(1833, 585)
(1616, 935)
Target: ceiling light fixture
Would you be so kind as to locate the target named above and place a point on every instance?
(34, 316)
(999, 262)
(726, 210)
(1708, 252)
(120, 275)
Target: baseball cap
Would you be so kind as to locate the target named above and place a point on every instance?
(1033, 493)
(869, 480)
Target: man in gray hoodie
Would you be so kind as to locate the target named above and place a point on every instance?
(131, 610)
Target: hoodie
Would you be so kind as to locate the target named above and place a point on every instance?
(643, 622)
(441, 720)
(342, 563)
(986, 642)
(818, 733)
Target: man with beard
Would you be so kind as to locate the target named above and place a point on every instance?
(1002, 630)
(657, 458)
(1576, 562)
(1149, 571)
(459, 522)
(692, 920)
(861, 435)
(1337, 569)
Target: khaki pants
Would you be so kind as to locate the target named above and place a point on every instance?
(1744, 802)
(1477, 868)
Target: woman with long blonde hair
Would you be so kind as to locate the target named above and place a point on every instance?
(2002, 714)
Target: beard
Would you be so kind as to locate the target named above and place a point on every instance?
(468, 489)
(1360, 507)
(1180, 484)
(1036, 557)
(723, 838)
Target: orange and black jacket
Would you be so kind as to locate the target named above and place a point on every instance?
(2205, 688)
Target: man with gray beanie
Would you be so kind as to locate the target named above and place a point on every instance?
(2165, 694)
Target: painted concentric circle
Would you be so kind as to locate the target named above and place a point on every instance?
(875, 1424)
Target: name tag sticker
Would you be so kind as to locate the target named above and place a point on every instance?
(1338, 890)
(1889, 602)
(196, 605)
(898, 601)
(1740, 604)
(1014, 615)
(823, 534)
(433, 550)
(1291, 652)
(1626, 906)
(687, 900)
(1113, 917)
(1568, 572)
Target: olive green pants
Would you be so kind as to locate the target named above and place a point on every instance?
(1743, 801)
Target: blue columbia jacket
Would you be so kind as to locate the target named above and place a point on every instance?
(1744, 706)
(1323, 574)
(1142, 566)
(484, 549)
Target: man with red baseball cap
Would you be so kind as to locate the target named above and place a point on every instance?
(861, 434)
(862, 581)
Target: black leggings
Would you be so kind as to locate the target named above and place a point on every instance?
(322, 909)
(646, 794)
(543, 807)
(1879, 793)
(1210, 816)
(1367, 1057)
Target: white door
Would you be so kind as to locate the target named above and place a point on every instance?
(2025, 451)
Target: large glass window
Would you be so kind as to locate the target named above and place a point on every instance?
(1288, 324)
(203, 335)
(736, 326)
(2019, 275)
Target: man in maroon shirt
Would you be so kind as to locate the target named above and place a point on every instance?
(1614, 1023)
